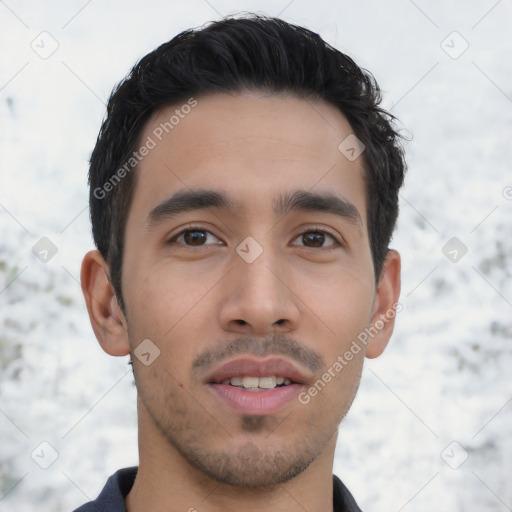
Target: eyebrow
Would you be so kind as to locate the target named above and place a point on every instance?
(190, 200)
(304, 200)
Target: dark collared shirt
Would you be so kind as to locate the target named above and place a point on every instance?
(111, 498)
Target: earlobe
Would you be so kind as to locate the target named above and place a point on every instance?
(107, 320)
(386, 305)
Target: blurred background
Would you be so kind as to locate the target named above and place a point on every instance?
(431, 427)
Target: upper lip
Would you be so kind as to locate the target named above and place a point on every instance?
(254, 367)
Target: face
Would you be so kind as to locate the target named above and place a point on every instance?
(247, 264)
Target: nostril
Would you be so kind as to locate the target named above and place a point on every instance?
(280, 322)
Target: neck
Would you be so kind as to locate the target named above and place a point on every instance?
(167, 481)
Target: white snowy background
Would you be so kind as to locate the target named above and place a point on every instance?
(441, 392)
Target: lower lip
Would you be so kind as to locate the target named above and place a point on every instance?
(256, 402)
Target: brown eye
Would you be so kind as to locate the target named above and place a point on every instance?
(195, 238)
(313, 239)
(316, 239)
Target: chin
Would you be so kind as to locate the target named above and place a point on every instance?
(250, 466)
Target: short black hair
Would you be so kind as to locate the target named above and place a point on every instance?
(236, 54)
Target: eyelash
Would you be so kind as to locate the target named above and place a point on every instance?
(336, 243)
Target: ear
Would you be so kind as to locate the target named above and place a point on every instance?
(107, 320)
(385, 305)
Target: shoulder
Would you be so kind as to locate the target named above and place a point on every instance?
(342, 498)
(111, 498)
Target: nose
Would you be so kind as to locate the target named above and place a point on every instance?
(258, 298)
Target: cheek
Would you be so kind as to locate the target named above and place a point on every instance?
(341, 300)
(344, 306)
(159, 384)
(165, 298)
(169, 306)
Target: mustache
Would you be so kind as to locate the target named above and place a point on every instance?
(275, 344)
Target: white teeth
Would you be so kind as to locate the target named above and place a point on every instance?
(247, 382)
(267, 382)
(250, 382)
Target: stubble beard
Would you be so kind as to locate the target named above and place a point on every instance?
(247, 455)
(253, 463)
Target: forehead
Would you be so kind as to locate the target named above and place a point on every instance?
(253, 145)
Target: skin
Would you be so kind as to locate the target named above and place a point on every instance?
(189, 300)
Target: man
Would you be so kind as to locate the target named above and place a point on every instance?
(244, 189)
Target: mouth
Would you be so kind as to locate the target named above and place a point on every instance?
(257, 386)
(258, 383)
